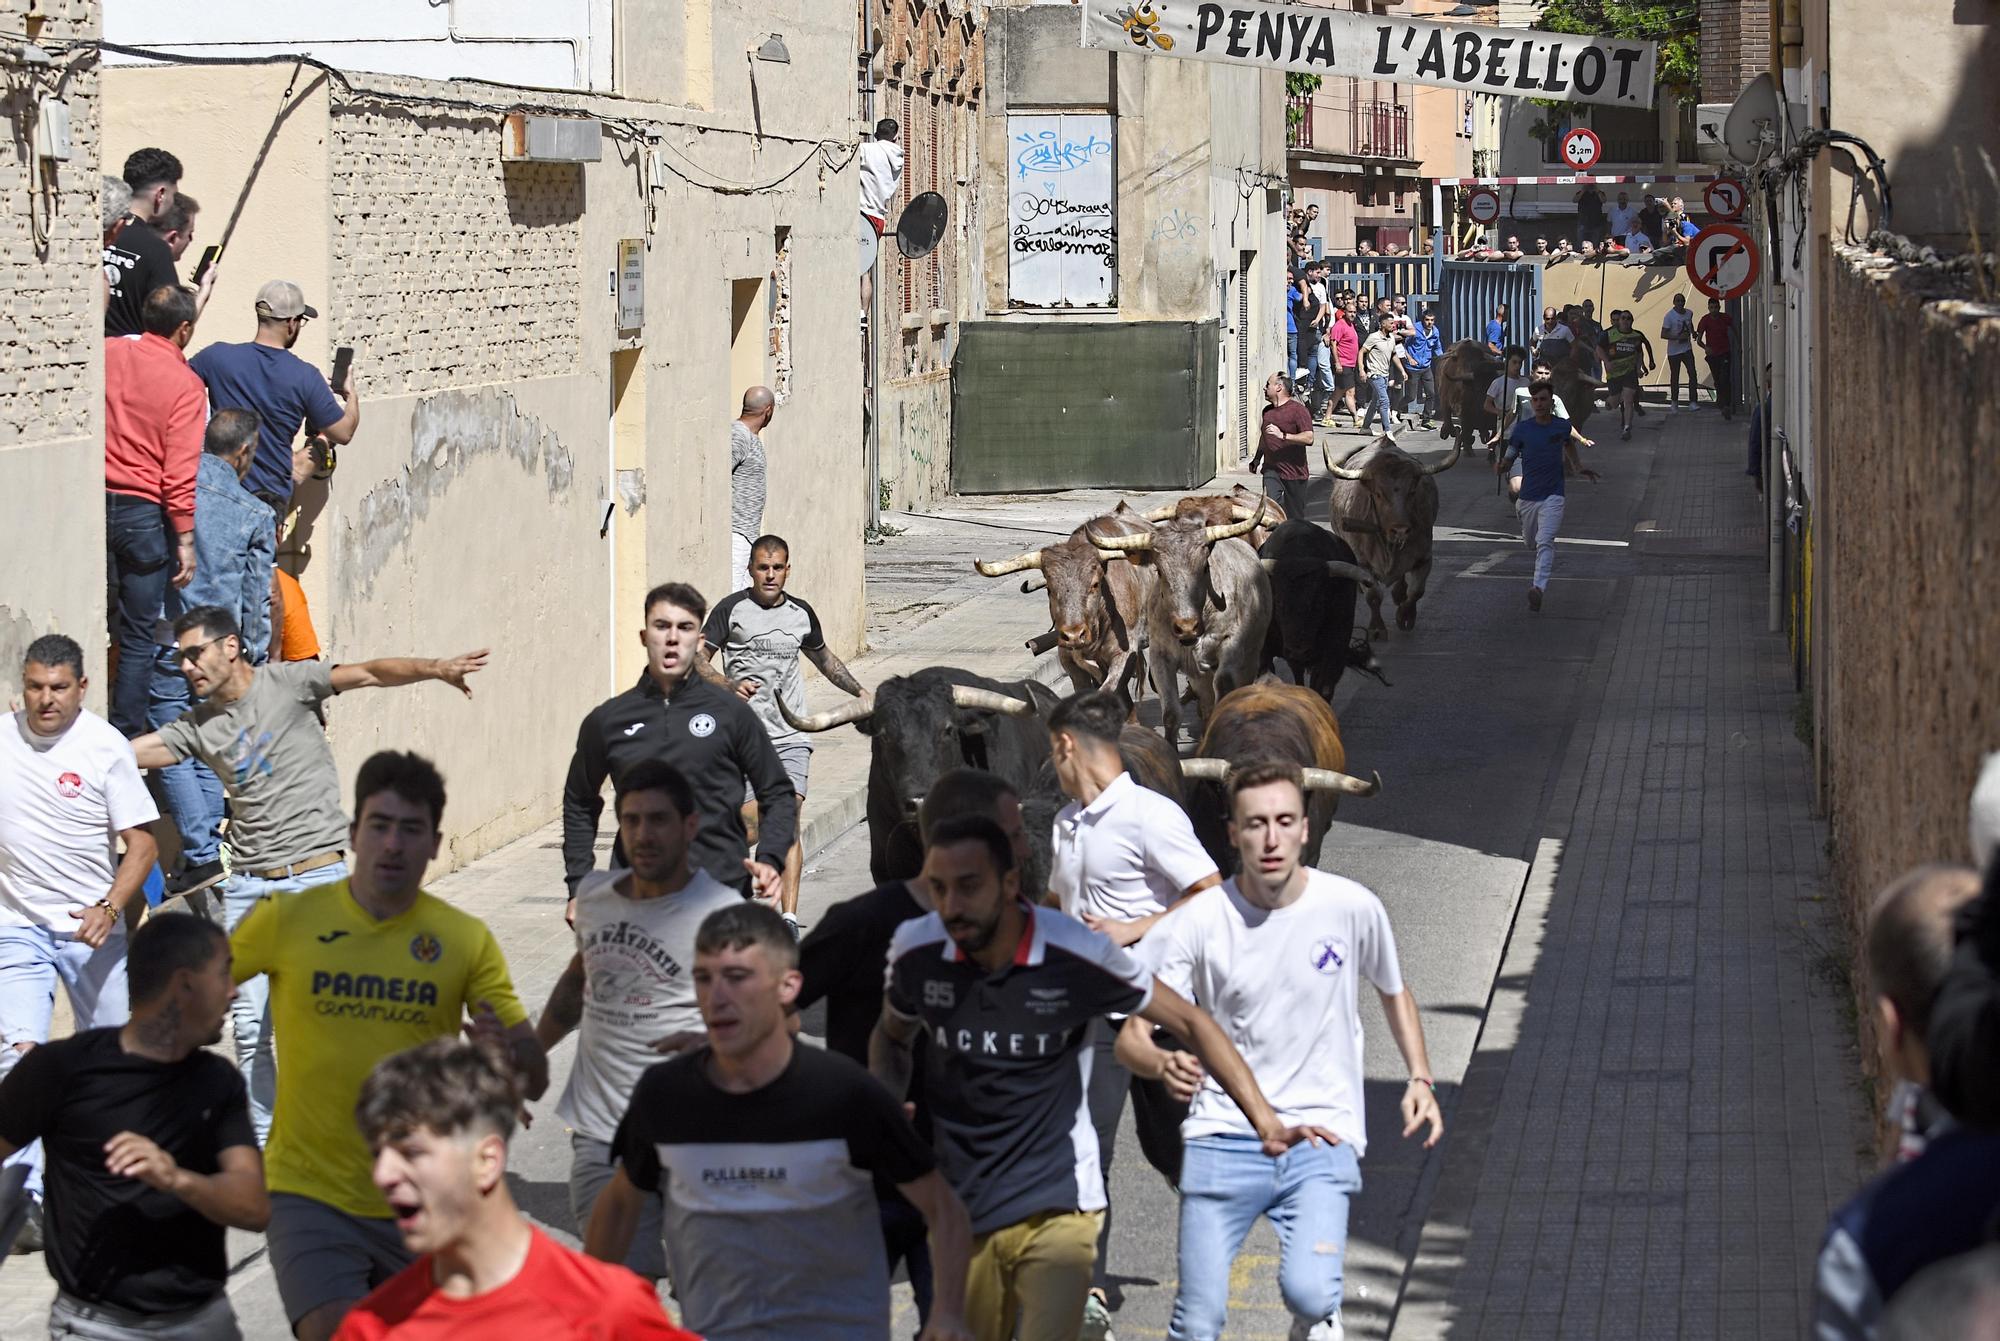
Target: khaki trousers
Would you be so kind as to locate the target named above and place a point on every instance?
(1031, 1277)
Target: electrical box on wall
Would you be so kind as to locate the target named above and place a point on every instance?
(52, 129)
(529, 138)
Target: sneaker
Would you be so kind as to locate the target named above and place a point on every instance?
(1326, 1329)
(1534, 598)
(1096, 1320)
(791, 924)
(1625, 433)
(185, 882)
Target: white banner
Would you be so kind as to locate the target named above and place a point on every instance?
(1514, 62)
(1062, 234)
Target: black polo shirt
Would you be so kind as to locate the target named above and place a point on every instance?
(716, 742)
(1005, 1079)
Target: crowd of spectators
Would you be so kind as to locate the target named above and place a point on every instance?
(1655, 229)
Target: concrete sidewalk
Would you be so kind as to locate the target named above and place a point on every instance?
(1665, 1102)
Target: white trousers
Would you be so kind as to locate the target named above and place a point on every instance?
(1540, 520)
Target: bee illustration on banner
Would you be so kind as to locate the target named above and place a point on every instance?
(1142, 25)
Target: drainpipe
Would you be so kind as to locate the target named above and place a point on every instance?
(871, 340)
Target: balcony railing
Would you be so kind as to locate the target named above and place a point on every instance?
(1362, 129)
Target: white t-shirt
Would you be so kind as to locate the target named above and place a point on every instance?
(1621, 218)
(638, 987)
(1679, 333)
(1127, 854)
(881, 174)
(1638, 241)
(63, 800)
(1503, 389)
(1285, 985)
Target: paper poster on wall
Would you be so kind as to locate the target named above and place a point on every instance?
(1062, 233)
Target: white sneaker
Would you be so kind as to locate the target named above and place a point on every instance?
(1096, 1320)
(1326, 1329)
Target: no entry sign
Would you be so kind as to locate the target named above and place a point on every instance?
(1581, 148)
(1482, 206)
(1724, 197)
(1722, 261)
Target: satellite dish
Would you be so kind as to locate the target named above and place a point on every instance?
(922, 226)
(871, 244)
(1751, 129)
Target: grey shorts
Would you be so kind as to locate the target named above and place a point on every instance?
(321, 1255)
(74, 1319)
(796, 756)
(590, 1171)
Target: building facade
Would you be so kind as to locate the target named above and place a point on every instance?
(549, 349)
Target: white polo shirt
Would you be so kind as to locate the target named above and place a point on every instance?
(1128, 854)
(63, 801)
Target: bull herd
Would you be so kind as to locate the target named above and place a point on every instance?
(1221, 592)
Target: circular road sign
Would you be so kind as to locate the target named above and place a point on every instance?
(1482, 205)
(1722, 261)
(1581, 148)
(1725, 197)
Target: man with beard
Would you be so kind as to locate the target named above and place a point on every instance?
(629, 988)
(151, 1155)
(1005, 993)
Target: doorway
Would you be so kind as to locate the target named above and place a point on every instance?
(628, 513)
(749, 334)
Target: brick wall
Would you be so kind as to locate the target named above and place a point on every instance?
(452, 268)
(51, 324)
(1906, 540)
(1735, 46)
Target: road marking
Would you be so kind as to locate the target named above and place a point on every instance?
(1486, 565)
(1461, 533)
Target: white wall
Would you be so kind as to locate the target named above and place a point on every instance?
(551, 43)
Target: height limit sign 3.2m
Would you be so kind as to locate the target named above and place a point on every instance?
(1581, 148)
(1722, 261)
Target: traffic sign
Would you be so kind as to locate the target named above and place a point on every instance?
(1722, 261)
(1724, 197)
(1482, 205)
(1581, 148)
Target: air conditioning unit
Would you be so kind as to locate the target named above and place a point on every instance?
(531, 138)
(1708, 121)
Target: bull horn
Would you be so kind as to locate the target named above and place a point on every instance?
(851, 711)
(1001, 567)
(1339, 470)
(972, 696)
(1033, 583)
(1354, 572)
(1326, 780)
(1231, 529)
(1112, 556)
(1123, 544)
(1450, 460)
(1204, 770)
(1160, 513)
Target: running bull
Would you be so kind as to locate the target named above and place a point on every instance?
(1096, 600)
(1385, 504)
(1313, 579)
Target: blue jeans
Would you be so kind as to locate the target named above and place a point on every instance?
(1324, 367)
(31, 961)
(138, 568)
(194, 794)
(1378, 403)
(1226, 1183)
(250, 1012)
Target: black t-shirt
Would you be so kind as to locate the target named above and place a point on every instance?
(1590, 206)
(771, 1222)
(1006, 1080)
(135, 264)
(114, 1240)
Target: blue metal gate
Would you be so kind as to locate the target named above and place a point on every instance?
(1469, 291)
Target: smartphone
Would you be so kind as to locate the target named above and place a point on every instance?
(343, 359)
(209, 256)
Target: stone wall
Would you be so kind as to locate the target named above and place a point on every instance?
(51, 354)
(1909, 552)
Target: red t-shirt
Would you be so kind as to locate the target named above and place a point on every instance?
(1714, 330)
(557, 1295)
(1286, 460)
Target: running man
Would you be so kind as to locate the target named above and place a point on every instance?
(1004, 991)
(1547, 448)
(1714, 334)
(1677, 329)
(707, 733)
(438, 1118)
(151, 1154)
(758, 635)
(1279, 953)
(628, 988)
(1627, 356)
(763, 1150)
(360, 969)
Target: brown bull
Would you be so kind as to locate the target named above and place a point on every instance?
(1096, 599)
(1463, 375)
(1385, 504)
(1270, 721)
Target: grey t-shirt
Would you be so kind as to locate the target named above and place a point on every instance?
(746, 481)
(764, 645)
(638, 958)
(270, 751)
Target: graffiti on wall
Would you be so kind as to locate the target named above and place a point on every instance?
(1062, 233)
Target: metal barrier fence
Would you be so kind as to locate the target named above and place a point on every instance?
(1469, 292)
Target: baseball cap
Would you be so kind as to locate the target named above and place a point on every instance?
(283, 299)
